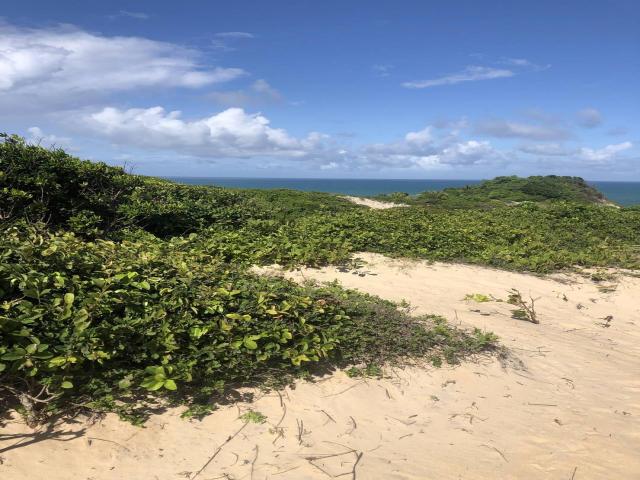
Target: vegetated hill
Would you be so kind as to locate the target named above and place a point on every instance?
(106, 305)
(95, 198)
(507, 190)
(118, 291)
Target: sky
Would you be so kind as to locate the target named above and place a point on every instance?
(330, 89)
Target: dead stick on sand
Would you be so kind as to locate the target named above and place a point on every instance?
(284, 412)
(573, 475)
(355, 465)
(328, 416)
(253, 462)
(110, 441)
(320, 468)
(300, 430)
(231, 437)
(355, 425)
(345, 390)
(284, 471)
(499, 452)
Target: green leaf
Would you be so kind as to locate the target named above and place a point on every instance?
(69, 298)
(16, 355)
(152, 384)
(170, 385)
(57, 361)
(50, 251)
(250, 344)
(66, 384)
(125, 382)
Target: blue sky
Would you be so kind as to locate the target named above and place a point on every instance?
(366, 89)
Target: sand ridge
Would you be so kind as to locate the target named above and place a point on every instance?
(375, 204)
(568, 409)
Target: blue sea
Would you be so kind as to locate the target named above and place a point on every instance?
(623, 193)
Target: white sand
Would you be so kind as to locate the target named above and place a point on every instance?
(375, 204)
(571, 411)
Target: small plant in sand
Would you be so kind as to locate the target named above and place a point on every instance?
(526, 310)
(371, 370)
(480, 298)
(253, 417)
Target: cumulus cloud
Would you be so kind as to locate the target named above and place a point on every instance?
(231, 133)
(579, 156)
(507, 129)
(424, 149)
(603, 155)
(470, 74)
(589, 118)
(234, 133)
(66, 63)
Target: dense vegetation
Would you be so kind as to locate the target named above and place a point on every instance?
(115, 297)
(505, 190)
(118, 291)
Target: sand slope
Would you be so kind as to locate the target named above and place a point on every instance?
(571, 410)
(375, 204)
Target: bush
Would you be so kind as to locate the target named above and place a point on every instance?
(92, 322)
(119, 292)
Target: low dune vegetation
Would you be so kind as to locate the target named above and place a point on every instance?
(505, 191)
(121, 292)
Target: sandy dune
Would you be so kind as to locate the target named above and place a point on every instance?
(570, 410)
(375, 204)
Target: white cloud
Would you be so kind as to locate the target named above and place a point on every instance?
(235, 35)
(382, 69)
(231, 133)
(546, 149)
(224, 39)
(126, 13)
(524, 63)
(259, 93)
(579, 156)
(263, 88)
(589, 117)
(469, 74)
(423, 149)
(506, 129)
(603, 155)
(65, 63)
(422, 137)
(38, 137)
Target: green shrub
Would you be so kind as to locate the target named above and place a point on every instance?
(119, 292)
(92, 322)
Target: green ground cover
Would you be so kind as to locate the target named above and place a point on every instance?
(121, 292)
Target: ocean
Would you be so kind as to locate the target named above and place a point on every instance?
(623, 193)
